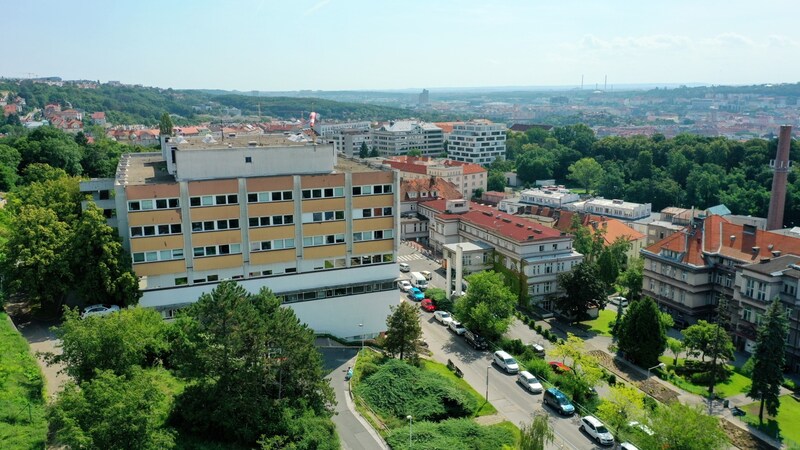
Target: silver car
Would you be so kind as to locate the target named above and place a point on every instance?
(98, 310)
(529, 382)
(456, 327)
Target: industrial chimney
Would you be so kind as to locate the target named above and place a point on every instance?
(780, 167)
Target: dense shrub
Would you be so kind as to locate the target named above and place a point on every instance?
(513, 346)
(540, 368)
(612, 379)
(747, 368)
(451, 434)
(398, 389)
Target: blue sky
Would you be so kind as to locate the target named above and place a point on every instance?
(353, 44)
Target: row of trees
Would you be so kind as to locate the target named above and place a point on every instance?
(251, 373)
(685, 171)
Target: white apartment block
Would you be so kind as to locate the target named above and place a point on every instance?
(555, 196)
(479, 142)
(398, 138)
(619, 209)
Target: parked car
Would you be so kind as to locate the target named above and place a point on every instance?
(642, 427)
(427, 305)
(529, 382)
(98, 310)
(427, 275)
(475, 340)
(559, 367)
(416, 294)
(538, 350)
(619, 301)
(456, 327)
(505, 362)
(404, 267)
(596, 430)
(404, 285)
(558, 400)
(627, 446)
(443, 317)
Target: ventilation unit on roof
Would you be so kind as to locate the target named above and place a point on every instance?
(530, 237)
(776, 253)
(756, 249)
(506, 220)
(733, 237)
(521, 225)
(487, 213)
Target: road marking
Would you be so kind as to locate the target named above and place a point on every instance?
(411, 257)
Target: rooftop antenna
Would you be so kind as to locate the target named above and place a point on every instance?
(581, 82)
(605, 84)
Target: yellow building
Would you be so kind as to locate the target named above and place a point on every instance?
(317, 229)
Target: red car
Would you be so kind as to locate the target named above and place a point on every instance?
(559, 367)
(427, 305)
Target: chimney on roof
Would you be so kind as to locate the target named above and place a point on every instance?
(780, 168)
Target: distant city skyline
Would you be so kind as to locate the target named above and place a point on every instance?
(360, 45)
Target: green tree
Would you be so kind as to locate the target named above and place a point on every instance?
(630, 280)
(642, 335)
(624, 404)
(118, 343)
(477, 193)
(50, 146)
(251, 365)
(37, 262)
(112, 411)
(679, 426)
(414, 152)
(403, 331)
(374, 153)
(537, 434)
(60, 195)
(104, 266)
(496, 181)
(769, 358)
(584, 366)
(676, 347)
(586, 172)
(9, 161)
(582, 237)
(488, 306)
(364, 151)
(583, 289)
(165, 125)
(707, 340)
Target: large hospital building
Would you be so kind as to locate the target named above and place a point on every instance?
(315, 228)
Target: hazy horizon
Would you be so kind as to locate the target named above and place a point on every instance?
(336, 45)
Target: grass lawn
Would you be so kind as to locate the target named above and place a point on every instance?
(786, 423)
(736, 384)
(601, 325)
(23, 424)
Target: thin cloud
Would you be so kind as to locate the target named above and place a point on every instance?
(319, 5)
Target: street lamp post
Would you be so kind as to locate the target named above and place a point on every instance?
(661, 365)
(409, 430)
(361, 330)
(487, 382)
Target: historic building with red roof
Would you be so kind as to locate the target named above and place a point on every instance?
(467, 177)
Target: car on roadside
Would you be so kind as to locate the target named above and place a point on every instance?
(443, 317)
(538, 350)
(559, 367)
(426, 274)
(627, 446)
(558, 400)
(619, 301)
(641, 427)
(456, 327)
(596, 430)
(427, 305)
(475, 340)
(529, 382)
(98, 310)
(404, 267)
(404, 285)
(416, 294)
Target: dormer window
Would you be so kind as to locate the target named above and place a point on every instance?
(423, 194)
(412, 195)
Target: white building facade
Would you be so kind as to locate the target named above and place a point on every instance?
(479, 142)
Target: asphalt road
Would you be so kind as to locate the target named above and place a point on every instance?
(513, 403)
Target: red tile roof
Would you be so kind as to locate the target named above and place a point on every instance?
(509, 226)
(98, 115)
(447, 127)
(407, 167)
(443, 188)
(718, 236)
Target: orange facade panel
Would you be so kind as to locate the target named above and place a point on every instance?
(363, 248)
(269, 209)
(213, 187)
(371, 201)
(266, 184)
(322, 181)
(151, 191)
(319, 229)
(326, 204)
(381, 177)
(214, 212)
(379, 223)
(271, 257)
(160, 268)
(216, 238)
(154, 217)
(324, 251)
(270, 233)
(144, 244)
(218, 262)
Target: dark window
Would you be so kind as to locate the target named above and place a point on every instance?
(252, 198)
(248, 159)
(194, 201)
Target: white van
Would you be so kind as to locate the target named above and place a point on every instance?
(506, 362)
(404, 267)
(419, 280)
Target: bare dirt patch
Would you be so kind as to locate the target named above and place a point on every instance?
(743, 439)
(623, 371)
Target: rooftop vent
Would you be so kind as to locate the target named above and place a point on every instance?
(776, 253)
(733, 237)
(763, 260)
(756, 249)
(487, 213)
(506, 220)
(521, 225)
(530, 237)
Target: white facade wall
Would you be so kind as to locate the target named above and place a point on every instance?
(477, 142)
(548, 197)
(617, 208)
